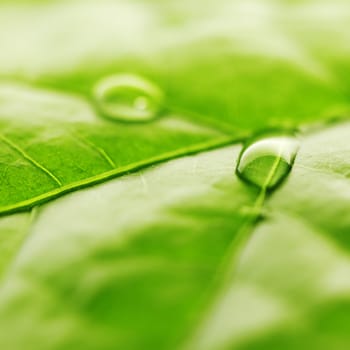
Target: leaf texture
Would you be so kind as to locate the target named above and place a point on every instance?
(178, 276)
(182, 255)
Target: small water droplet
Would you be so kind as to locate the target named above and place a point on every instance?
(128, 97)
(266, 161)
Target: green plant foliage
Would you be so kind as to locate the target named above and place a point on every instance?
(45, 154)
(153, 260)
(171, 249)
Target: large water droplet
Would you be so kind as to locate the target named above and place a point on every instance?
(128, 97)
(265, 162)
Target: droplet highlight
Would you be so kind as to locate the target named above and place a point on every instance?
(265, 162)
(127, 97)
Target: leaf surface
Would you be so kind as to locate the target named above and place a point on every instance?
(178, 276)
(222, 78)
(182, 255)
(55, 143)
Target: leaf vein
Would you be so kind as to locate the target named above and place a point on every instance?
(30, 159)
(103, 154)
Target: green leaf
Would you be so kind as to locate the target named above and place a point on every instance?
(182, 255)
(291, 288)
(242, 64)
(55, 143)
(153, 260)
(220, 83)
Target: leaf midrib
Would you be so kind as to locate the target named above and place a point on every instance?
(123, 170)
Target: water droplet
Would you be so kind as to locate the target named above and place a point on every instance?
(128, 97)
(265, 162)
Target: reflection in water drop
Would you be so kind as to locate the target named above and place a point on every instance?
(128, 97)
(266, 162)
